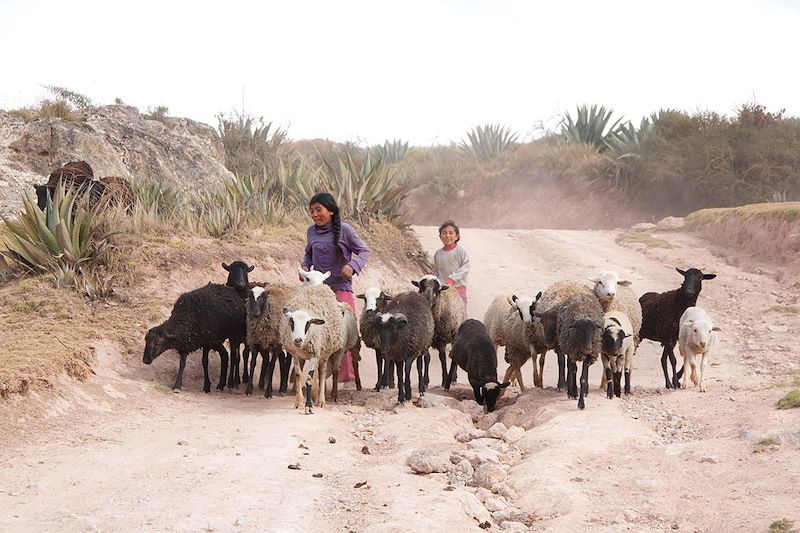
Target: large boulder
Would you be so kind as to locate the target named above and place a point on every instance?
(115, 140)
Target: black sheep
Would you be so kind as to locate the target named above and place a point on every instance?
(661, 314)
(237, 278)
(202, 318)
(405, 328)
(474, 351)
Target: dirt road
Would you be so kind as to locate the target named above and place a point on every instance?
(121, 452)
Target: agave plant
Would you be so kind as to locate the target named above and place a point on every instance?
(490, 141)
(250, 145)
(590, 126)
(391, 151)
(61, 240)
(627, 141)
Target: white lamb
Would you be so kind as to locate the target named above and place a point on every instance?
(312, 330)
(696, 338)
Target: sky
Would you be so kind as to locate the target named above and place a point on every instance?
(422, 71)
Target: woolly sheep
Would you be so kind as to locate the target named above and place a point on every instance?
(696, 338)
(448, 310)
(238, 279)
(580, 325)
(474, 351)
(202, 318)
(313, 330)
(352, 344)
(617, 349)
(264, 316)
(661, 314)
(406, 329)
(374, 301)
(313, 277)
(509, 318)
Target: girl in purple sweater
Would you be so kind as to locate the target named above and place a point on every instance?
(333, 245)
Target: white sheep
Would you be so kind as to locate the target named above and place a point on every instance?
(313, 277)
(617, 350)
(507, 320)
(696, 338)
(312, 330)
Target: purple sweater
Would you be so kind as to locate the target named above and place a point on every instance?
(321, 253)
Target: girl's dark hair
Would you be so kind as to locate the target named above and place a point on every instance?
(450, 223)
(326, 200)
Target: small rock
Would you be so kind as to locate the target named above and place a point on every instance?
(483, 494)
(513, 434)
(294, 466)
(466, 435)
(331, 440)
(675, 525)
(709, 459)
(303, 446)
(360, 484)
(481, 443)
(504, 490)
(317, 475)
(428, 462)
(464, 467)
(671, 223)
(577, 479)
(511, 525)
(497, 431)
(643, 226)
(494, 504)
(182, 443)
(472, 507)
(630, 515)
(488, 474)
(511, 514)
(365, 450)
(485, 525)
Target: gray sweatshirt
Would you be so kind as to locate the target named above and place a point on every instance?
(453, 264)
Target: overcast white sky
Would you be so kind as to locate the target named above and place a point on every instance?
(424, 71)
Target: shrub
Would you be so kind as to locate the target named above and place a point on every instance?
(590, 126)
(250, 145)
(489, 142)
(790, 401)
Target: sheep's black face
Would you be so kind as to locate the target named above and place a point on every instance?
(693, 281)
(491, 392)
(257, 304)
(237, 274)
(156, 342)
(389, 328)
(584, 334)
(612, 340)
(41, 196)
(549, 326)
(430, 288)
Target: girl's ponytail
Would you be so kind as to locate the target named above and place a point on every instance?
(327, 200)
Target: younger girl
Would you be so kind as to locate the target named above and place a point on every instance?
(333, 245)
(451, 262)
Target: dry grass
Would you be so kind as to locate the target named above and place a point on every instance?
(767, 444)
(642, 238)
(790, 401)
(788, 310)
(47, 109)
(784, 525)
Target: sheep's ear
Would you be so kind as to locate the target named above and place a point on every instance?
(326, 275)
(716, 328)
(226, 267)
(251, 268)
(302, 272)
(538, 296)
(709, 276)
(624, 283)
(387, 297)
(401, 319)
(317, 321)
(593, 280)
(681, 272)
(361, 296)
(615, 320)
(285, 312)
(505, 384)
(415, 283)
(514, 298)
(444, 287)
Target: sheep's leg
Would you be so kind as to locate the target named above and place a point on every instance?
(509, 373)
(421, 375)
(248, 388)
(245, 366)
(608, 378)
(572, 377)
(179, 378)
(443, 360)
(355, 355)
(262, 375)
(604, 376)
(664, 357)
(223, 371)
(628, 367)
(268, 359)
(407, 378)
(675, 374)
(518, 372)
(617, 385)
(584, 383)
(561, 367)
(321, 376)
(284, 359)
(381, 383)
(312, 365)
(233, 378)
(703, 366)
(206, 380)
(400, 389)
(541, 368)
(298, 390)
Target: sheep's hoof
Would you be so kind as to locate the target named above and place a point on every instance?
(176, 390)
(309, 411)
(581, 404)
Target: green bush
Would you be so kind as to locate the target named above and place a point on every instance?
(489, 142)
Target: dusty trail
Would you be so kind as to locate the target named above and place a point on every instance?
(106, 456)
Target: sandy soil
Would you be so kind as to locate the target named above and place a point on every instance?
(120, 452)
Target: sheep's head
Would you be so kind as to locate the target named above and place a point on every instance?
(300, 322)
(526, 306)
(693, 281)
(583, 334)
(430, 287)
(700, 332)
(257, 302)
(237, 275)
(313, 277)
(41, 196)
(549, 320)
(156, 342)
(613, 336)
(605, 285)
(370, 298)
(491, 392)
(389, 327)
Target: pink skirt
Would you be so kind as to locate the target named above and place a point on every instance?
(346, 372)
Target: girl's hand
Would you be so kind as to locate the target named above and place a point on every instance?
(449, 281)
(347, 272)
(302, 279)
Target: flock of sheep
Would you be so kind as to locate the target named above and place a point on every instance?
(306, 326)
